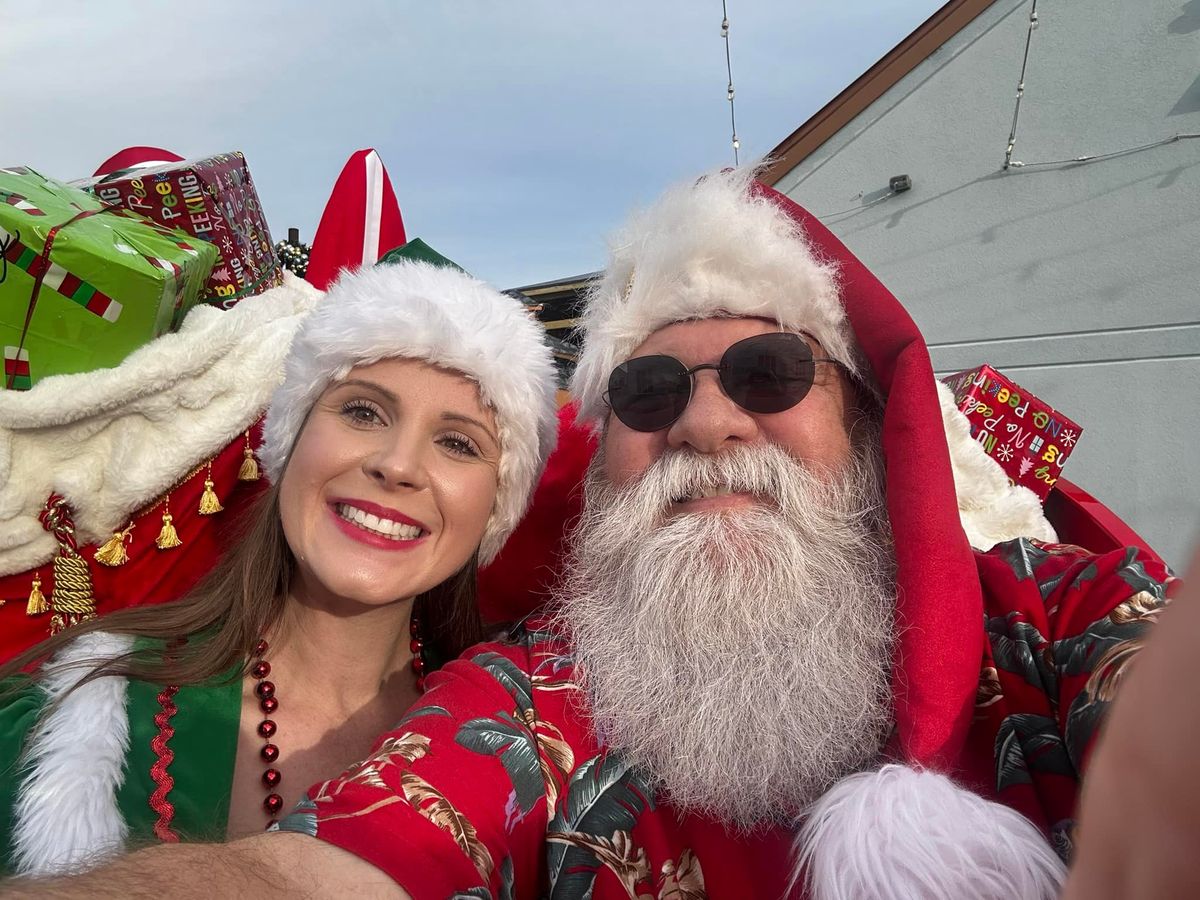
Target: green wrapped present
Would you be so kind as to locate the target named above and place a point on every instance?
(82, 283)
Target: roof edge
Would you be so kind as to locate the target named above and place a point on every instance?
(870, 86)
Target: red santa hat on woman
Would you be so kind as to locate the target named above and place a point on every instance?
(727, 246)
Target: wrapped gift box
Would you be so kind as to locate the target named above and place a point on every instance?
(109, 282)
(1029, 438)
(214, 200)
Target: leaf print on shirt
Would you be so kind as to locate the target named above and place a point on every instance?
(551, 661)
(1133, 573)
(509, 676)
(1103, 651)
(302, 818)
(1022, 556)
(434, 806)
(505, 737)
(682, 880)
(482, 893)
(408, 747)
(1018, 647)
(1028, 743)
(604, 796)
(418, 712)
(989, 690)
(618, 854)
(532, 751)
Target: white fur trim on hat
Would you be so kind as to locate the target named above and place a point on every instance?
(900, 833)
(705, 249)
(442, 316)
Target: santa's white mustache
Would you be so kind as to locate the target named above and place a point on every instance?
(765, 471)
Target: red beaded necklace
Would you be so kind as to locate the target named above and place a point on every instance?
(268, 702)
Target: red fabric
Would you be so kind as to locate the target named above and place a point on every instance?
(1079, 518)
(463, 783)
(131, 157)
(151, 575)
(460, 749)
(1061, 625)
(522, 576)
(339, 241)
(938, 604)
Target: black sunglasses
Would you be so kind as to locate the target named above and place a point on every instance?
(767, 373)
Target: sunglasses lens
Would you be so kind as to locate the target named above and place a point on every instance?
(649, 392)
(768, 373)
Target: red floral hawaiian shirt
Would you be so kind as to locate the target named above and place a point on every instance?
(493, 786)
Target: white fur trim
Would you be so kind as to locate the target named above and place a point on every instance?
(899, 833)
(705, 249)
(66, 816)
(444, 317)
(113, 440)
(991, 509)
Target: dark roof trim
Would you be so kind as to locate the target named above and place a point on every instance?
(572, 283)
(871, 85)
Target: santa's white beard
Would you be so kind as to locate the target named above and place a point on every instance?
(740, 658)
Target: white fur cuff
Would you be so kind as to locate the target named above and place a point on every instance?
(899, 833)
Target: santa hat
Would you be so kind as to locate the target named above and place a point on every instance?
(136, 158)
(728, 246)
(418, 305)
(706, 249)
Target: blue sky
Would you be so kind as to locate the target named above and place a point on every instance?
(516, 134)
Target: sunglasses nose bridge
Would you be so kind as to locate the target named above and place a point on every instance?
(719, 368)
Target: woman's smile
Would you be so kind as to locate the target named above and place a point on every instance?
(377, 526)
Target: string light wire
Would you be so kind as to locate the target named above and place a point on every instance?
(1010, 163)
(856, 209)
(1012, 134)
(729, 85)
(1099, 157)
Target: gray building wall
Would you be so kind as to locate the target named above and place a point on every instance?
(1080, 282)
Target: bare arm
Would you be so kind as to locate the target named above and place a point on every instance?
(1139, 826)
(269, 865)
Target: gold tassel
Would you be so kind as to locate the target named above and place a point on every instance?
(168, 537)
(72, 601)
(249, 469)
(209, 503)
(113, 552)
(37, 600)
